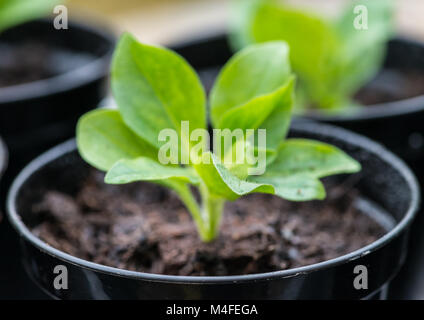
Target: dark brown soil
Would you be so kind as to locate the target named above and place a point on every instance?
(392, 85)
(34, 60)
(144, 227)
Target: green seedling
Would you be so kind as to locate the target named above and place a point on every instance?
(333, 58)
(158, 92)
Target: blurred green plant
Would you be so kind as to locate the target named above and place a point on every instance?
(15, 12)
(332, 58)
(157, 90)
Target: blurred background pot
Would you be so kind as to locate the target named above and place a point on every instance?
(396, 124)
(3, 166)
(48, 79)
(42, 98)
(384, 183)
(3, 162)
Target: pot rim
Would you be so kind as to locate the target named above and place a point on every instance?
(4, 156)
(98, 68)
(328, 130)
(375, 111)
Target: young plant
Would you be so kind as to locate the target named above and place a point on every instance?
(333, 58)
(159, 94)
(15, 12)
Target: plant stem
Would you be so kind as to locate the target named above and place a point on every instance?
(212, 208)
(208, 217)
(191, 204)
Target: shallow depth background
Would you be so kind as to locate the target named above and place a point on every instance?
(169, 21)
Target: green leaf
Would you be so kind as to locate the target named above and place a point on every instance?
(15, 12)
(242, 12)
(252, 114)
(254, 72)
(146, 169)
(364, 49)
(277, 124)
(380, 24)
(255, 91)
(103, 139)
(156, 89)
(311, 39)
(312, 158)
(221, 182)
(298, 166)
(277, 108)
(294, 188)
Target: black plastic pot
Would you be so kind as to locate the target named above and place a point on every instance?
(398, 125)
(3, 162)
(388, 186)
(38, 115)
(4, 155)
